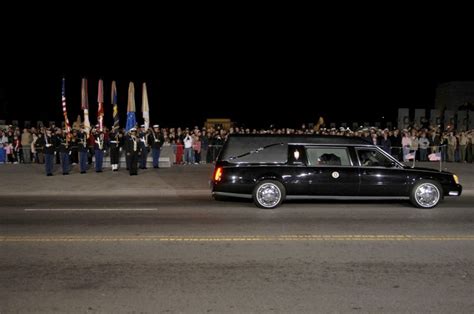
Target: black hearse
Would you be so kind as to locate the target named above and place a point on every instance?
(272, 168)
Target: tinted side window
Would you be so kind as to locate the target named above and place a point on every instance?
(373, 158)
(328, 156)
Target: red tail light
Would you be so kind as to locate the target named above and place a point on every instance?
(218, 174)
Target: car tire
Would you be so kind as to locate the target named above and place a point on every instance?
(426, 194)
(268, 194)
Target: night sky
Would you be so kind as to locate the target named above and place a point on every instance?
(278, 74)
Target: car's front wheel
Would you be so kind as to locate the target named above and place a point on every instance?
(426, 194)
(268, 194)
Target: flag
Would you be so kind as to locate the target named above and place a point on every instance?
(131, 121)
(85, 105)
(145, 108)
(410, 156)
(114, 104)
(63, 99)
(434, 157)
(100, 109)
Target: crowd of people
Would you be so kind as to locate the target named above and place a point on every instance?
(201, 145)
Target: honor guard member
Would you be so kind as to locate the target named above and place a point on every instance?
(64, 151)
(157, 141)
(133, 150)
(48, 149)
(114, 141)
(99, 149)
(83, 149)
(144, 146)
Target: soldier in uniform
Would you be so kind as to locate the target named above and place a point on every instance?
(133, 150)
(114, 141)
(48, 149)
(99, 149)
(144, 146)
(64, 151)
(157, 141)
(83, 149)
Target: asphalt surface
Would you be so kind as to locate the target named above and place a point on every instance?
(158, 243)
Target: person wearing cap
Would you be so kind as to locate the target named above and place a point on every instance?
(64, 151)
(99, 149)
(133, 151)
(115, 145)
(143, 136)
(48, 149)
(157, 141)
(83, 149)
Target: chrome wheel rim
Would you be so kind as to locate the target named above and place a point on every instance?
(268, 195)
(427, 195)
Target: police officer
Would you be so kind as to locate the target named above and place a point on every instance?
(156, 142)
(133, 150)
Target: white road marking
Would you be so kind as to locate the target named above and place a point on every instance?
(88, 209)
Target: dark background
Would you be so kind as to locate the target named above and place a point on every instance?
(257, 70)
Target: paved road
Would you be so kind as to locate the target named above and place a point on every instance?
(183, 252)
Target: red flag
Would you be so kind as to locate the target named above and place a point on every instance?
(100, 109)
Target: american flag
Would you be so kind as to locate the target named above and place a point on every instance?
(434, 157)
(100, 109)
(114, 103)
(410, 156)
(85, 105)
(63, 98)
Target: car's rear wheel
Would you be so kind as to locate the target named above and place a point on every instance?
(426, 194)
(268, 194)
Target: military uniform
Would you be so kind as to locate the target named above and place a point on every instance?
(64, 151)
(133, 150)
(48, 143)
(115, 144)
(144, 148)
(157, 141)
(99, 148)
(83, 151)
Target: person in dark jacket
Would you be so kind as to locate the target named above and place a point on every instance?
(133, 151)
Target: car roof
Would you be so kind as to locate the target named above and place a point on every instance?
(297, 139)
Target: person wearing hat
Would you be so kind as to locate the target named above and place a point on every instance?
(157, 141)
(133, 151)
(64, 151)
(48, 149)
(99, 149)
(83, 149)
(115, 144)
(143, 136)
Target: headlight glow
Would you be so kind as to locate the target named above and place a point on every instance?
(456, 179)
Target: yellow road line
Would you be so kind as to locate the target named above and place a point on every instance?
(257, 238)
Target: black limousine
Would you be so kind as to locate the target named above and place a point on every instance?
(272, 168)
